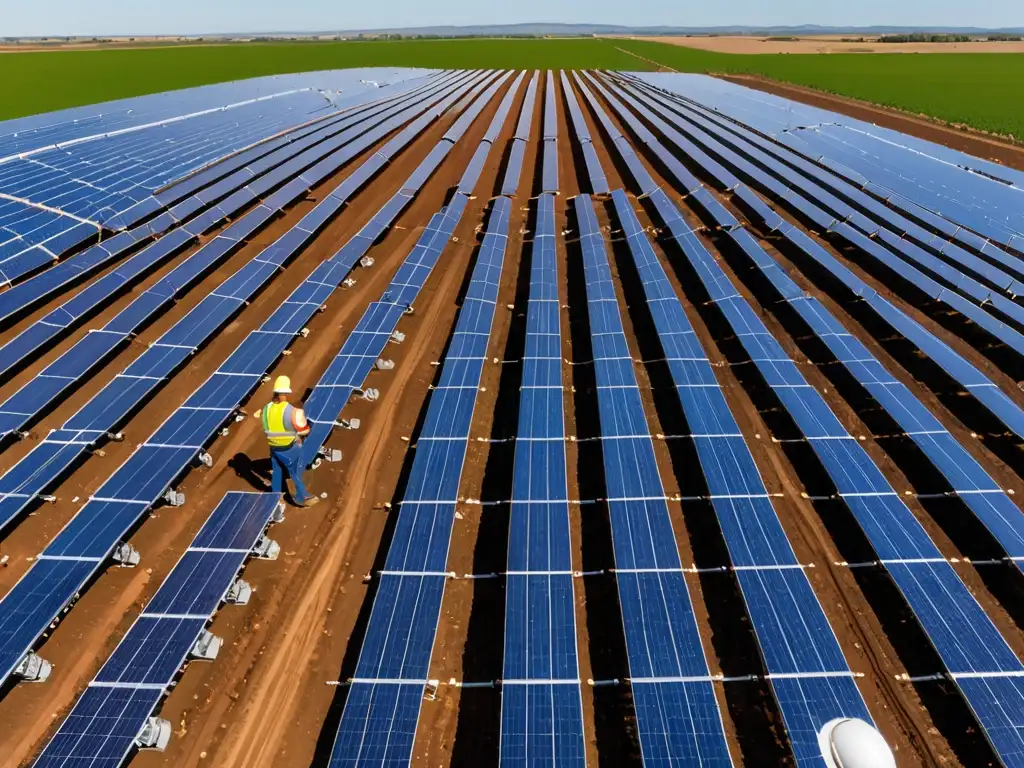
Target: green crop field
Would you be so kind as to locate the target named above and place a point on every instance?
(981, 90)
(48, 80)
(977, 89)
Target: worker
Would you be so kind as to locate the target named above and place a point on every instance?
(285, 426)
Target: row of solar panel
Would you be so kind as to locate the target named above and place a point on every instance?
(901, 255)
(517, 150)
(968, 376)
(541, 710)
(372, 333)
(929, 174)
(105, 722)
(44, 465)
(315, 164)
(86, 541)
(378, 724)
(964, 475)
(964, 637)
(595, 173)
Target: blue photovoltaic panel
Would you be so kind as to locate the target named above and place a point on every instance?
(37, 598)
(675, 719)
(957, 627)
(541, 709)
(110, 407)
(378, 724)
(101, 728)
(977, 489)
(598, 181)
(773, 586)
(948, 360)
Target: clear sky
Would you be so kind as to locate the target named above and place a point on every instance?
(98, 17)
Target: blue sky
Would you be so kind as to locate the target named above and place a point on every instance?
(92, 17)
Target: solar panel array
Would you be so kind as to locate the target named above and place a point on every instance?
(372, 333)
(59, 192)
(205, 199)
(966, 478)
(966, 374)
(102, 727)
(975, 654)
(109, 408)
(677, 713)
(74, 365)
(888, 237)
(146, 179)
(541, 709)
(85, 543)
(378, 723)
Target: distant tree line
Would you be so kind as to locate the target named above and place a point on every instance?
(919, 38)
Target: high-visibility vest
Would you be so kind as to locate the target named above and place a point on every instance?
(283, 423)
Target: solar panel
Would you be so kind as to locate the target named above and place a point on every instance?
(962, 634)
(541, 708)
(966, 477)
(106, 720)
(598, 182)
(38, 597)
(772, 583)
(378, 724)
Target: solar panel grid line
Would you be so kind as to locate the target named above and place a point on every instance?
(660, 628)
(37, 598)
(962, 634)
(375, 734)
(121, 400)
(145, 651)
(968, 376)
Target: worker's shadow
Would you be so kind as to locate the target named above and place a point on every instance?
(256, 472)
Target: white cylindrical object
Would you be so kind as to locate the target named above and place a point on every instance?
(848, 742)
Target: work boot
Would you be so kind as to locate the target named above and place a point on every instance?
(311, 501)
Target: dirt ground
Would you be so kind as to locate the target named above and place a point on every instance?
(833, 44)
(271, 698)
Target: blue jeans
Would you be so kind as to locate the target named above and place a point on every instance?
(284, 463)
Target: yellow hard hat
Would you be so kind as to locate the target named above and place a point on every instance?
(282, 386)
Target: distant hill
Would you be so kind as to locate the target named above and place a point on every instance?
(539, 29)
